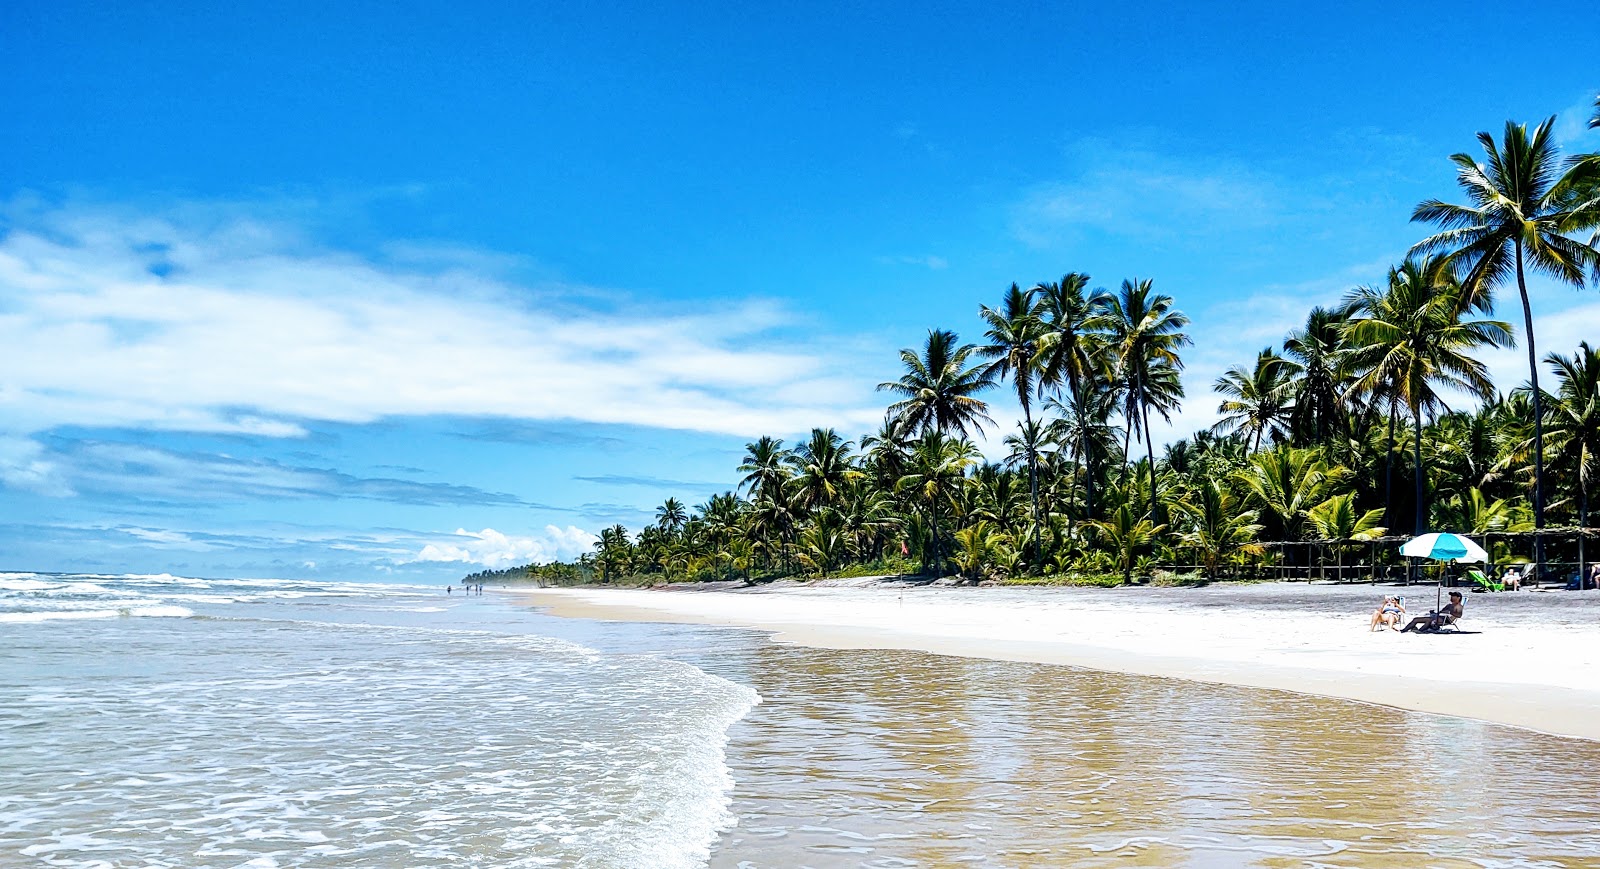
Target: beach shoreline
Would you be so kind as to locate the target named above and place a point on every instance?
(1525, 660)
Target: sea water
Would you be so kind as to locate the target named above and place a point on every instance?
(156, 721)
(160, 721)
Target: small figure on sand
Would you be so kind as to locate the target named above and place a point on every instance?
(1389, 613)
(449, 589)
(1432, 622)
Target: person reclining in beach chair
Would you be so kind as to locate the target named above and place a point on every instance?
(1389, 613)
(1432, 622)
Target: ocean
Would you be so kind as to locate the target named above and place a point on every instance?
(159, 721)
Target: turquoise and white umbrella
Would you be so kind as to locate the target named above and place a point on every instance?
(1444, 546)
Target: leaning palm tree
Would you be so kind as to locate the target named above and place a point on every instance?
(937, 391)
(1014, 332)
(1524, 210)
(1594, 122)
(1412, 338)
(1255, 400)
(1146, 331)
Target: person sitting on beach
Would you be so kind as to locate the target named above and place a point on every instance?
(1512, 580)
(1389, 614)
(1432, 622)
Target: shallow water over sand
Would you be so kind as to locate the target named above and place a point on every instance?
(875, 758)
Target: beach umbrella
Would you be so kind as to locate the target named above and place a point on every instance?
(1443, 546)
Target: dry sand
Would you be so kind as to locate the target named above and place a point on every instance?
(1528, 659)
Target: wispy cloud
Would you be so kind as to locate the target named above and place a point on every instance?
(494, 549)
(148, 474)
(234, 325)
(1127, 191)
(929, 261)
(648, 481)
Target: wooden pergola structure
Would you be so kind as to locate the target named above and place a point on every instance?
(1379, 558)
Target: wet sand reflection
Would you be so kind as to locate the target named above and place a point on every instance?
(875, 758)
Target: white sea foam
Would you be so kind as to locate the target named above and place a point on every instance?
(326, 742)
(175, 612)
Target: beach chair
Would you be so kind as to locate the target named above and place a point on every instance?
(1484, 582)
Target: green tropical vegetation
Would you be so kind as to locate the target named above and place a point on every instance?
(1359, 424)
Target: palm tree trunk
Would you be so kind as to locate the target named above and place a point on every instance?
(1150, 456)
(1388, 472)
(1422, 511)
(1538, 426)
(1033, 480)
(938, 564)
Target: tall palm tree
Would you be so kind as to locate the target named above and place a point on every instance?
(1524, 208)
(1575, 426)
(1411, 338)
(937, 391)
(671, 515)
(822, 468)
(764, 467)
(1146, 331)
(1014, 332)
(1594, 122)
(1316, 376)
(1256, 401)
(1073, 350)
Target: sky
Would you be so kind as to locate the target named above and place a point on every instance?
(371, 291)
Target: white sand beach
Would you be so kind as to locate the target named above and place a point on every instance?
(1528, 659)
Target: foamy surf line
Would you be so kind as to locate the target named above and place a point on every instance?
(1532, 675)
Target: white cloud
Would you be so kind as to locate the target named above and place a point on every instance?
(1128, 191)
(23, 466)
(496, 550)
(252, 329)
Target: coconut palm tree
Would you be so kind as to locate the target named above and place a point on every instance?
(1316, 375)
(937, 391)
(764, 467)
(1411, 338)
(1216, 526)
(1014, 332)
(934, 476)
(671, 515)
(1574, 431)
(1126, 535)
(1523, 210)
(1146, 332)
(1287, 483)
(822, 467)
(1073, 351)
(1256, 401)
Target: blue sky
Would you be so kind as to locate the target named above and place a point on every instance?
(372, 290)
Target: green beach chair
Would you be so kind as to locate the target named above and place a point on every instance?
(1484, 582)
